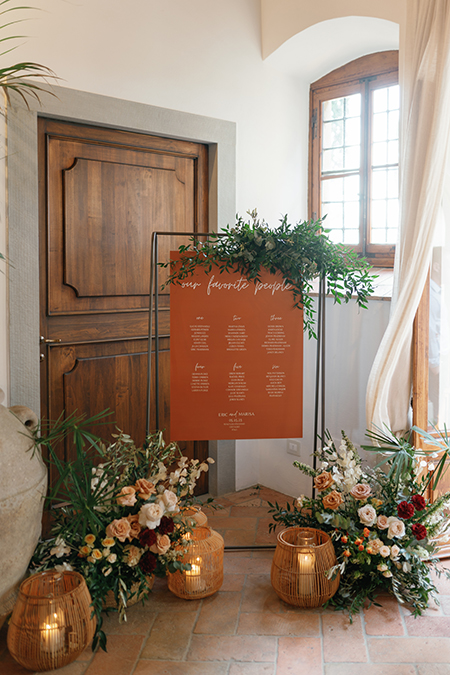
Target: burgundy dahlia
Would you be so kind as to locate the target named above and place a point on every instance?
(405, 510)
(166, 525)
(419, 531)
(147, 563)
(147, 537)
(419, 502)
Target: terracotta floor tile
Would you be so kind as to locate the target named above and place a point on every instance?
(259, 595)
(252, 565)
(232, 647)
(170, 636)
(433, 669)
(163, 600)
(233, 582)
(369, 669)
(299, 655)
(219, 614)
(180, 668)
(442, 582)
(139, 620)
(409, 650)
(243, 495)
(120, 658)
(427, 626)
(263, 536)
(445, 603)
(238, 537)
(252, 669)
(343, 641)
(74, 668)
(264, 553)
(273, 496)
(243, 511)
(268, 623)
(228, 523)
(384, 620)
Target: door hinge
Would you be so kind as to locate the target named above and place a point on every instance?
(314, 123)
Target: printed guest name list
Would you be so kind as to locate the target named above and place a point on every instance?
(236, 357)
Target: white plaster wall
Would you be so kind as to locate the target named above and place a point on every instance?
(205, 57)
(352, 339)
(4, 269)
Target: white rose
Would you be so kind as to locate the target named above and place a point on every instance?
(367, 515)
(150, 515)
(396, 528)
(382, 567)
(168, 500)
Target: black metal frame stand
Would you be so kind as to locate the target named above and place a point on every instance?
(320, 357)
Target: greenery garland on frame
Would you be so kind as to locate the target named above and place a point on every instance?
(301, 253)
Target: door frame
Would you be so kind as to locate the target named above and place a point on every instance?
(23, 217)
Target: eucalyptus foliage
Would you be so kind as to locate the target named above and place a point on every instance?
(302, 253)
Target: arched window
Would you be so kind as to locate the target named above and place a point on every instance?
(354, 153)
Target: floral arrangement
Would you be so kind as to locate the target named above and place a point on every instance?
(121, 521)
(301, 253)
(381, 523)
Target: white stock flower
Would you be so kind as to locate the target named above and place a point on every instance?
(64, 567)
(60, 548)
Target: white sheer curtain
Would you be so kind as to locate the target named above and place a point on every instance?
(425, 125)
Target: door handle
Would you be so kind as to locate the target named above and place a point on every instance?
(45, 341)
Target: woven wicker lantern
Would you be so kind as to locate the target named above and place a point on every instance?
(205, 555)
(51, 623)
(301, 558)
(194, 516)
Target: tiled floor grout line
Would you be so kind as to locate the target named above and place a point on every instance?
(184, 659)
(365, 636)
(144, 641)
(322, 650)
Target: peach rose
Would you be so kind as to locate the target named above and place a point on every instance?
(375, 545)
(361, 491)
(367, 515)
(133, 554)
(127, 496)
(119, 528)
(396, 528)
(150, 515)
(384, 551)
(134, 525)
(332, 500)
(144, 488)
(382, 522)
(395, 551)
(323, 481)
(162, 544)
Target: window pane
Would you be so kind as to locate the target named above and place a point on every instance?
(353, 105)
(393, 124)
(351, 237)
(379, 127)
(379, 184)
(333, 134)
(392, 152)
(380, 100)
(333, 160)
(332, 190)
(352, 157)
(333, 110)
(379, 154)
(351, 215)
(394, 97)
(351, 188)
(392, 183)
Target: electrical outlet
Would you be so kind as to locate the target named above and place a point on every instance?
(293, 447)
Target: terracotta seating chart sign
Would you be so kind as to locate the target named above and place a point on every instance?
(236, 357)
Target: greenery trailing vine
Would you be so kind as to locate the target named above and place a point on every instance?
(302, 253)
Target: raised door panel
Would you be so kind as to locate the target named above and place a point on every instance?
(103, 205)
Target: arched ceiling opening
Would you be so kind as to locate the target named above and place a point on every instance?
(321, 48)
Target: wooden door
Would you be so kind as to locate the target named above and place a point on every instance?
(102, 193)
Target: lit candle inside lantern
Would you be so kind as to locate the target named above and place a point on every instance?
(52, 633)
(306, 561)
(194, 581)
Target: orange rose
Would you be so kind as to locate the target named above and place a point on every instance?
(323, 481)
(144, 488)
(332, 500)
